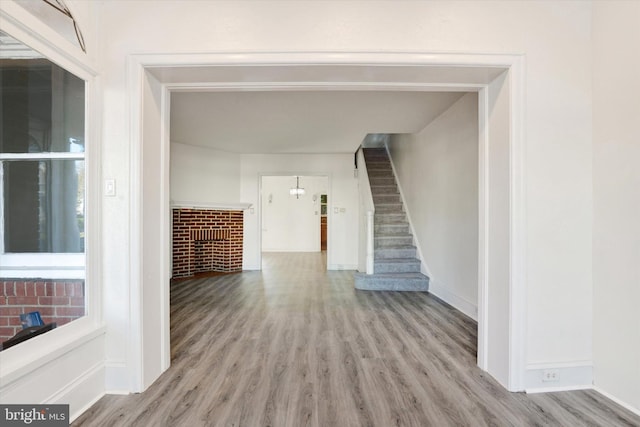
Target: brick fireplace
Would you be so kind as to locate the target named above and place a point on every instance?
(206, 240)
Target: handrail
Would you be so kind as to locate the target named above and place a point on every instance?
(367, 208)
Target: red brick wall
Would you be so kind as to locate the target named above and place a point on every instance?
(196, 251)
(59, 301)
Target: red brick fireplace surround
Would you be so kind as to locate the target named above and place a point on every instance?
(206, 240)
(59, 301)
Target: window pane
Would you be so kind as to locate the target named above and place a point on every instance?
(44, 206)
(41, 107)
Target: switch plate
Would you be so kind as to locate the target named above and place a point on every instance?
(110, 187)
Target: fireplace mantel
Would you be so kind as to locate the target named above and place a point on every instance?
(214, 206)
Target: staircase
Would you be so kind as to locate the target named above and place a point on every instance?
(396, 267)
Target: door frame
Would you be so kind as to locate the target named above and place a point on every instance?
(260, 208)
(499, 81)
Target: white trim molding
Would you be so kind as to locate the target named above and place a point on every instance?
(483, 227)
(77, 393)
(518, 221)
(116, 377)
(28, 29)
(338, 267)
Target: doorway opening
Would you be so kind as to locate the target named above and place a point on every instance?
(292, 215)
(498, 79)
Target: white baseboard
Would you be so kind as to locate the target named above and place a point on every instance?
(466, 307)
(557, 389)
(116, 377)
(251, 267)
(576, 375)
(622, 403)
(342, 267)
(82, 392)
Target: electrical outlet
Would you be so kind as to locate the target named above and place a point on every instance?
(550, 375)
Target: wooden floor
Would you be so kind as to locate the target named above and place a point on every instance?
(295, 345)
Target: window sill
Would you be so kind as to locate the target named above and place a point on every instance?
(24, 273)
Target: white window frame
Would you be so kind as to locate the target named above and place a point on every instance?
(27, 358)
(48, 265)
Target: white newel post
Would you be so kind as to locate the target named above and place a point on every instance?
(369, 242)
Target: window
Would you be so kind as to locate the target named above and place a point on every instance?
(42, 186)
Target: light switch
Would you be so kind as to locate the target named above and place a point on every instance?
(343, 210)
(335, 210)
(110, 187)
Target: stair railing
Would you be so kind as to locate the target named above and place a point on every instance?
(367, 208)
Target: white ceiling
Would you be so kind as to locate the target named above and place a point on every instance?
(299, 121)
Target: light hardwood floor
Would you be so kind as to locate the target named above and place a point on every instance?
(295, 345)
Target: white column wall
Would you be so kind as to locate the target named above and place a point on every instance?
(616, 187)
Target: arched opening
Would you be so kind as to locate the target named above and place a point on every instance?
(501, 306)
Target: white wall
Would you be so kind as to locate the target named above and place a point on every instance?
(200, 174)
(616, 187)
(438, 172)
(291, 224)
(206, 175)
(342, 245)
(555, 38)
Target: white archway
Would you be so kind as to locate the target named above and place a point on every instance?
(498, 79)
